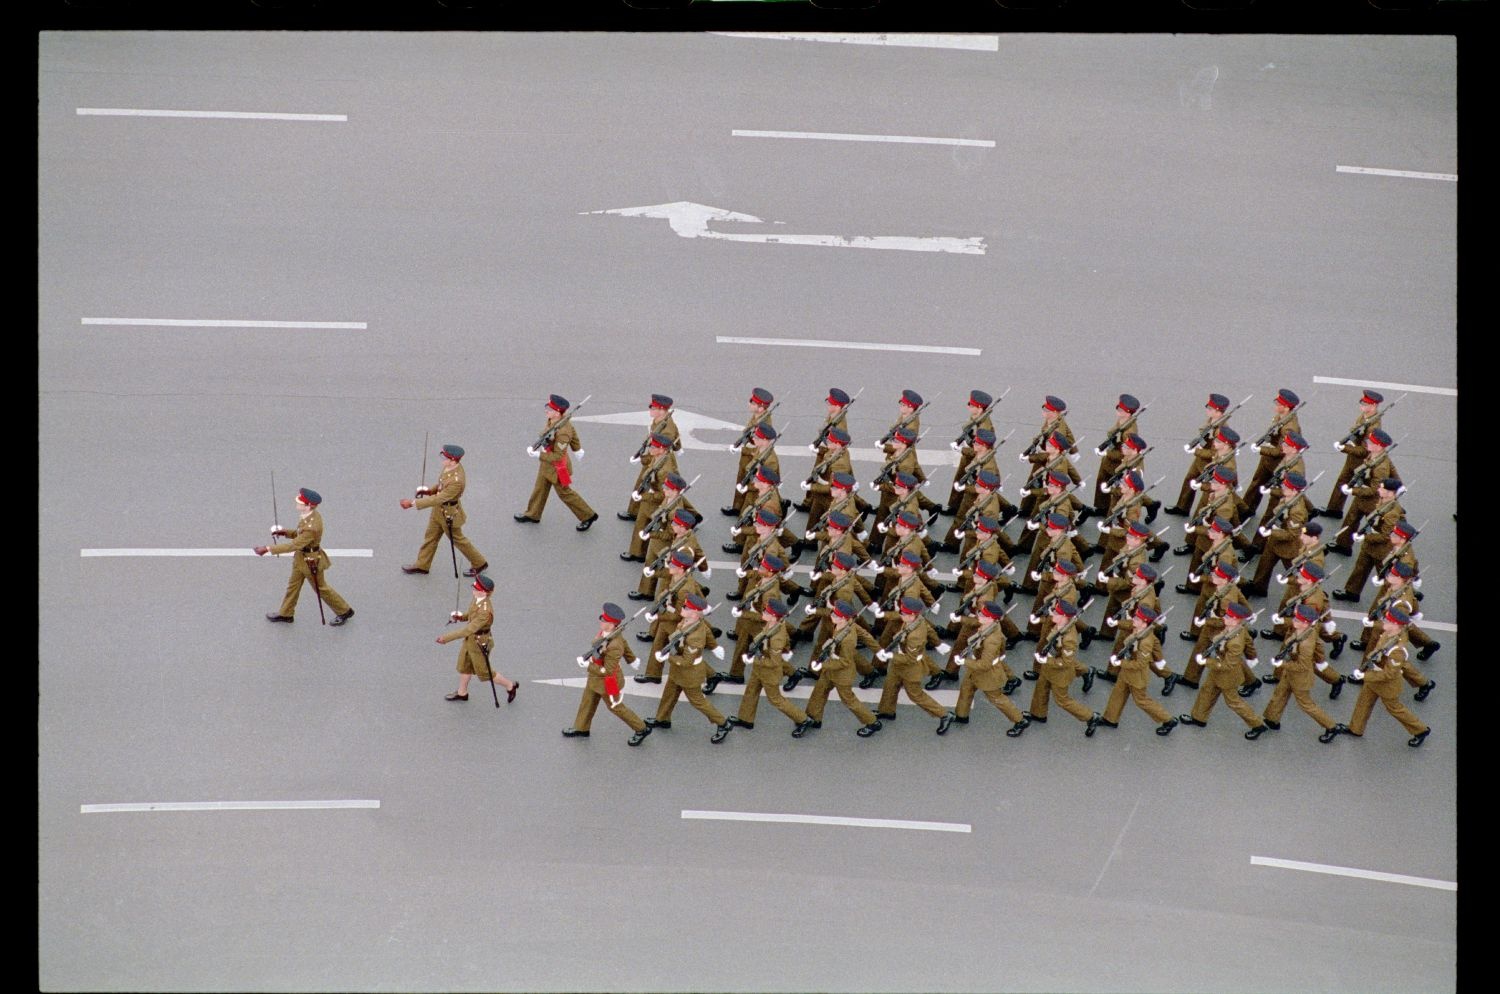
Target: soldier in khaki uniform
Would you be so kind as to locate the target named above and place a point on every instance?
(687, 673)
(1111, 451)
(1281, 532)
(982, 461)
(1354, 449)
(1221, 502)
(1401, 551)
(1036, 452)
(1051, 462)
(1057, 546)
(982, 500)
(1210, 616)
(1272, 450)
(1364, 488)
(1300, 656)
(661, 423)
(978, 419)
(554, 470)
(906, 655)
(986, 544)
(605, 679)
(1140, 593)
(765, 655)
(765, 587)
(1058, 500)
(1133, 458)
(474, 654)
(982, 656)
(310, 563)
(1057, 665)
(841, 498)
(1382, 670)
(1116, 572)
(904, 504)
(1397, 593)
(761, 403)
(658, 465)
(1201, 450)
(1226, 657)
(835, 581)
(677, 517)
(834, 662)
(1373, 536)
(1138, 656)
(1130, 508)
(1304, 588)
(447, 517)
(901, 459)
(988, 585)
(674, 586)
(832, 460)
(1291, 447)
(767, 542)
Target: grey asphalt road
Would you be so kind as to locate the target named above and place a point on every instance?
(1162, 215)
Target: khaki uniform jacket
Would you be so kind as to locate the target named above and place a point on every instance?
(841, 464)
(555, 458)
(907, 463)
(986, 666)
(1142, 661)
(1298, 670)
(1224, 669)
(308, 540)
(446, 492)
(1385, 676)
(840, 667)
(1285, 540)
(480, 617)
(1377, 541)
(687, 667)
(1060, 667)
(608, 663)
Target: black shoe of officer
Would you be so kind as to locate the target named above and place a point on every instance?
(1337, 689)
(1428, 649)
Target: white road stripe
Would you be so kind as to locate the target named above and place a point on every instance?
(1411, 387)
(816, 343)
(1349, 871)
(93, 809)
(215, 323)
(105, 553)
(920, 826)
(829, 136)
(238, 115)
(1405, 174)
(977, 43)
(1437, 626)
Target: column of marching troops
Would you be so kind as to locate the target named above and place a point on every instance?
(898, 615)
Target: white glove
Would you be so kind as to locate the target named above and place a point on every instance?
(862, 536)
(960, 487)
(1021, 456)
(735, 447)
(1198, 622)
(1032, 526)
(1099, 451)
(883, 656)
(882, 527)
(943, 648)
(578, 454)
(1198, 658)
(1281, 578)
(746, 658)
(815, 575)
(1359, 536)
(718, 652)
(811, 447)
(1033, 619)
(1276, 619)
(1319, 666)
(643, 535)
(736, 611)
(954, 618)
(1041, 660)
(953, 445)
(651, 615)
(275, 529)
(635, 664)
(648, 571)
(1035, 576)
(1339, 447)
(1330, 627)
(1251, 662)
(635, 459)
(740, 488)
(958, 533)
(583, 663)
(661, 656)
(931, 571)
(739, 571)
(786, 657)
(533, 453)
(1114, 660)
(1008, 570)
(1263, 532)
(815, 666)
(937, 607)
(810, 536)
(455, 616)
(1188, 448)
(1194, 578)
(1344, 489)
(697, 660)
(1358, 674)
(1264, 490)
(808, 609)
(1415, 617)
(1189, 529)
(1194, 484)
(1111, 622)
(879, 613)
(960, 661)
(635, 495)
(806, 485)
(957, 573)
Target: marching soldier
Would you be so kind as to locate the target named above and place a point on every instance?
(1397, 593)
(1111, 451)
(1221, 501)
(310, 563)
(1382, 680)
(906, 657)
(1141, 592)
(1058, 546)
(447, 516)
(1364, 487)
(985, 545)
(835, 664)
(905, 503)
(674, 587)
(901, 459)
(661, 423)
(1354, 449)
(765, 484)
(1216, 414)
(1281, 532)
(555, 468)
(907, 543)
(1059, 500)
(831, 460)
(1226, 657)
(765, 656)
(1373, 536)
(1133, 451)
(678, 519)
(605, 681)
(474, 654)
(1057, 665)
(1291, 447)
(1036, 453)
(982, 656)
(766, 588)
(1210, 616)
(657, 466)
(980, 461)
(909, 424)
(767, 543)
(1139, 655)
(1304, 588)
(982, 500)
(1401, 551)
(760, 414)
(841, 582)
(684, 654)
(1051, 461)
(980, 404)
(1116, 571)
(1301, 655)
(1272, 448)
(1130, 514)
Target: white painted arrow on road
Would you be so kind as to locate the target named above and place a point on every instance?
(690, 423)
(690, 220)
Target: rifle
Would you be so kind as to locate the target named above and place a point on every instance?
(910, 504)
(1128, 606)
(1216, 548)
(1278, 425)
(1046, 648)
(675, 640)
(1208, 471)
(640, 453)
(663, 513)
(900, 637)
(822, 438)
(750, 595)
(973, 555)
(831, 592)
(1114, 517)
(893, 599)
(1116, 436)
(972, 471)
(1295, 638)
(755, 422)
(1036, 479)
(966, 433)
(1048, 557)
(825, 651)
(748, 563)
(747, 515)
(648, 478)
(656, 607)
(983, 592)
(1284, 611)
(889, 469)
(1362, 426)
(813, 529)
(651, 568)
(597, 646)
(971, 519)
(1127, 648)
(1214, 424)
(1275, 518)
(1379, 608)
(819, 470)
(908, 419)
(1050, 505)
(1278, 475)
(755, 464)
(1127, 466)
(757, 645)
(547, 435)
(972, 644)
(1363, 471)
(1209, 510)
(1215, 648)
